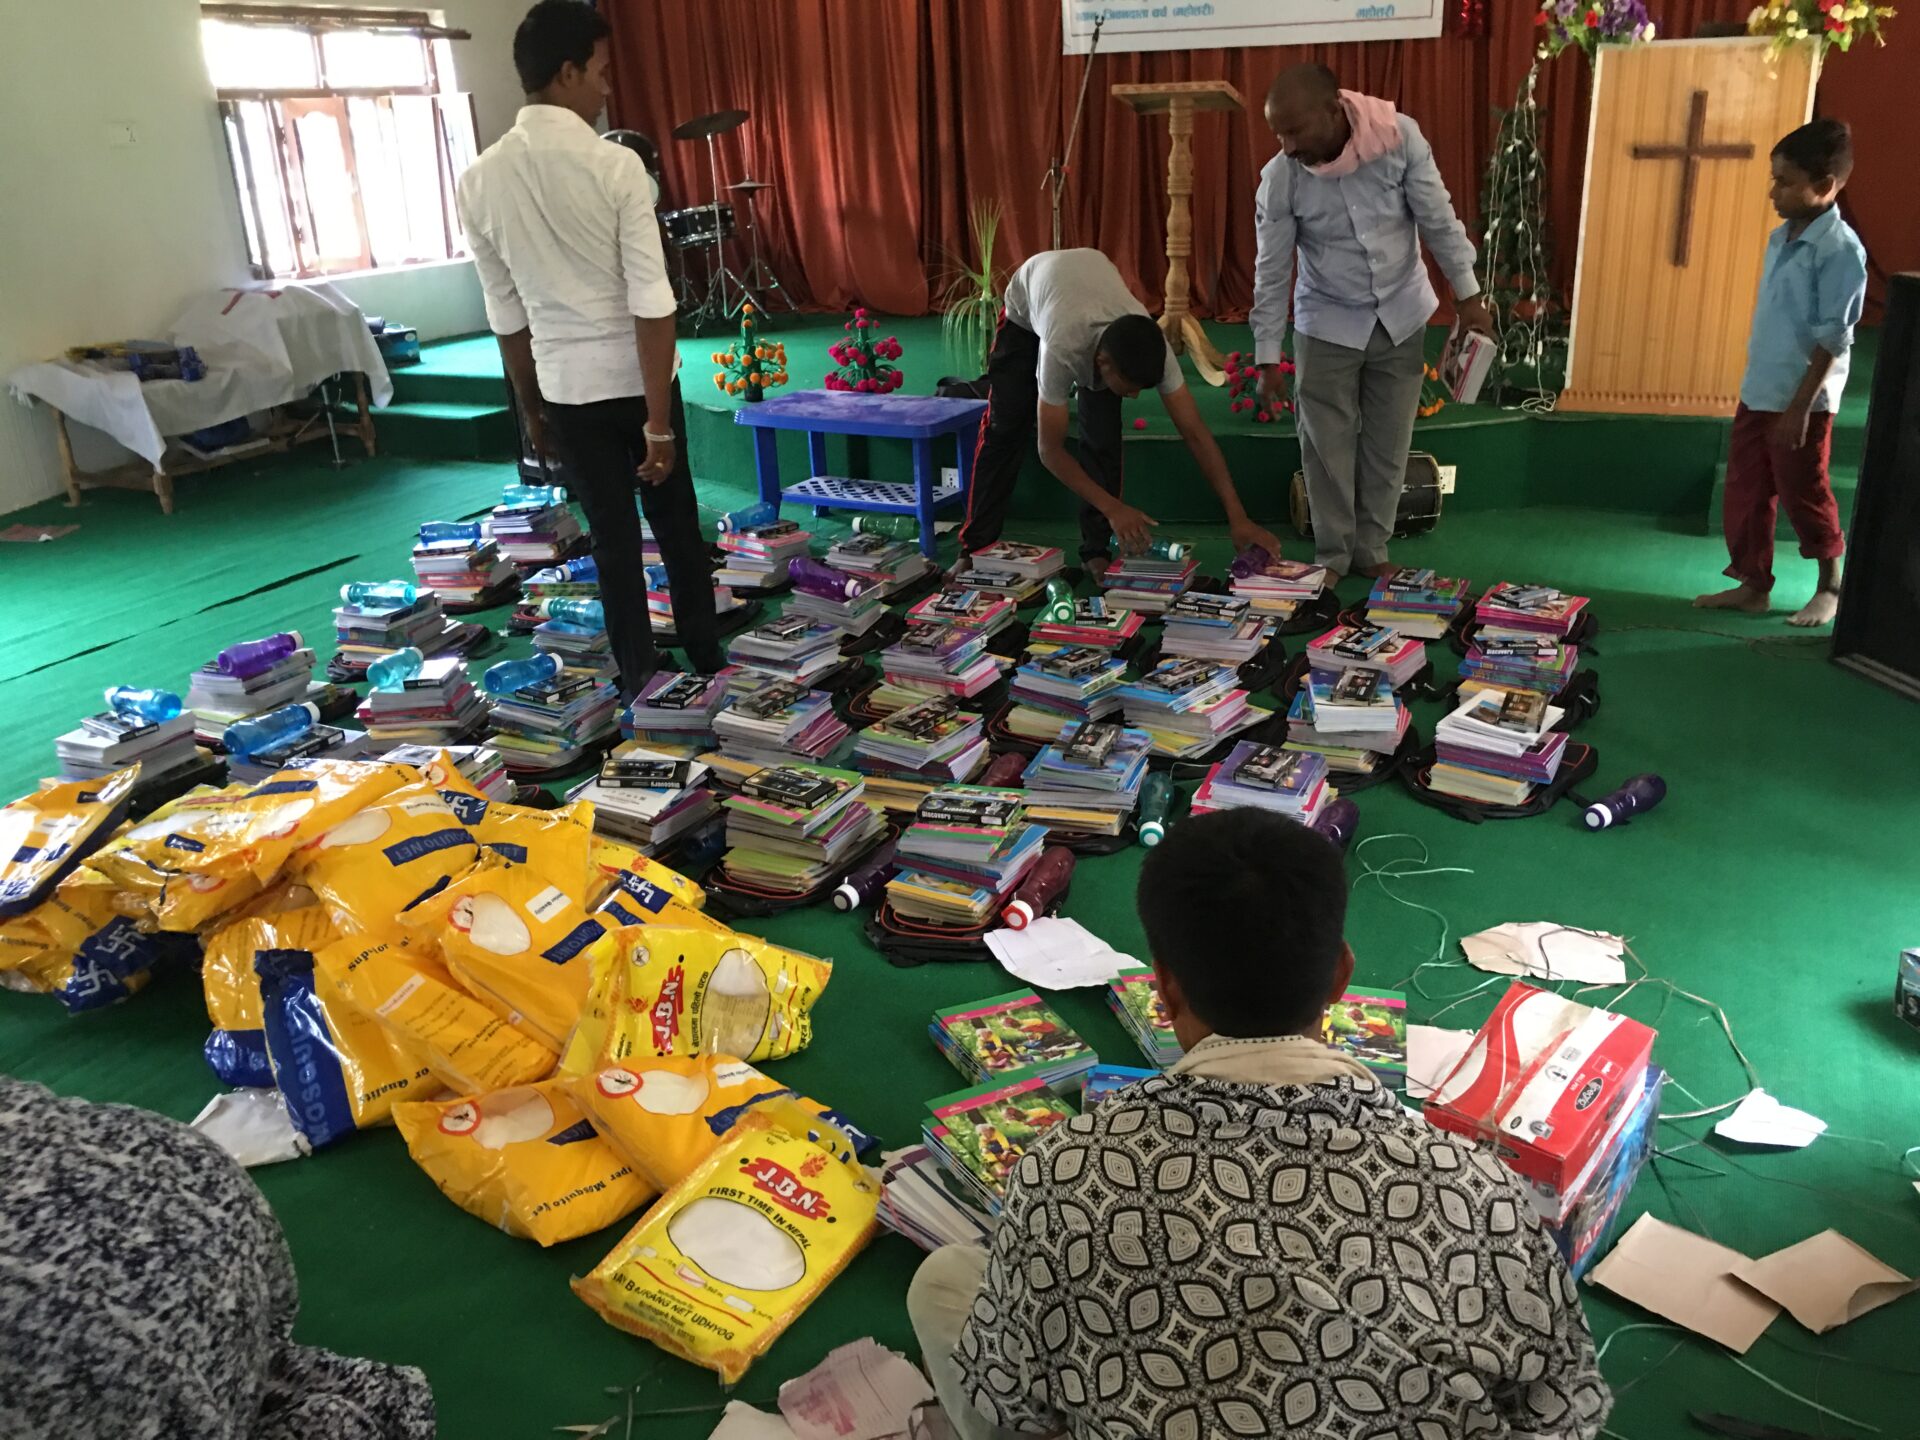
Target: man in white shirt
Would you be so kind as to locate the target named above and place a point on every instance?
(1071, 325)
(563, 233)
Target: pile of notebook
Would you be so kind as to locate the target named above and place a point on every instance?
(1416, 602)
(575, 579)
(965, 853)
(479, 765)
(1521, 639)
(583, 650)
(934, 657)
(470, 573)
(1088, 778)
(1371, 1027)
(1188, 706)
(1076, 682)
(364, 633)
(1095, 623)
(1497, 745)
(757, 559)
(1135, 999)
(1350, 717)
(933, 740)
(113, 740)
(921, 1200)
(660, 605)
(215, 700)
(647, 798)
(889, 566)
(1372, 647)
(555, 724)
(1275, 586)
(1266, 777)
(959, 604)
(978, 1136)
(535, 533)
(791, 828)
(849, 614)
(1013, 569)
(793, 646)
(1140, 582)
(1008, 1038)
(439, 706)
(675, 711)
(316, 742)
(770, 721)
(1222, 628)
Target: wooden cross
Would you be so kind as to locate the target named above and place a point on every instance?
(1690, 154)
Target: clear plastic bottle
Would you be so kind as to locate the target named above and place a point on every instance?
(511, 675)
(749, 517)
(433, 530)
(1156, 803)
(245, 739)
(382, 593)
(588, 614)
(533, 495)
(152, 706)
(255, 657)
(391, 672)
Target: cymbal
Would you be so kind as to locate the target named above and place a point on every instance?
(751, 186)
(717, 123)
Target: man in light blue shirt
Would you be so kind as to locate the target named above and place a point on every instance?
(1353, 191)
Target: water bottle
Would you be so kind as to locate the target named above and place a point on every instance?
(866, 880)
(583, 569)
(433, 530)
(153, 706)
(1338, 822)
(1252, 561)
(587, 614)
(749, 517)
(657, 578)
(1156, 803)
(511, 675)
(1636, 797)
(1059, 608)
(1167, 550)
(380, 594)
(1006, 772)
(245, 739)
(1042, 888)
(894, 527)
(256, 657)
(519, 495)
(810, 577)
(391, 672)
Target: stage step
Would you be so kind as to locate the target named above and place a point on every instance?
(446, 430)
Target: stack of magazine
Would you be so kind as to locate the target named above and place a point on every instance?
(793, 647)
(1497, 745)
(555, 724)
(978, 1136)
(675, 710)
(934, 657)
(1135, 999)
(646, 798)
(959, 604)
(463, 572)
(535, 534)
(1005, 1038)
(771, 721)
(757, 559)
(365, 633)
(216, 701)
(925, 1202)
(438, 706)
(889, 566)
(1275, 586)
(933, 740)
(1142, 583)
(1416, 602)
(1266, 777)
(111, 741)
(1088, 778)
(966, 851)
(479, 765)
(660, 606)
(318, 742)
(1350, 717)
(583, 650)
(850, 615)
(1188, 706)
(1075, 682)
(1221, 628)
(1372, 647)
(1012, 569)
(1094, 623)
(790, 828)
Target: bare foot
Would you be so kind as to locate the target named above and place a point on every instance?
(1817, 611)
(1744, 598)
(1374, 572)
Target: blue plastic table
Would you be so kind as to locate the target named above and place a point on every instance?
(920, 419)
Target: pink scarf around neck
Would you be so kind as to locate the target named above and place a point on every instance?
(1376, 132)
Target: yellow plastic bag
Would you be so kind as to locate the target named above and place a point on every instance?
(524, 1159)
(401, 849)
(612, 860)
(729, 1257)
(639, 891)
(523, 944)
(77, 948)
(468, 1047)
(287, 917)
(46, 834)
(144, 882)
(666, 1115)
(555, 844)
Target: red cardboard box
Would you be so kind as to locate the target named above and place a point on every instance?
(1542, 1082)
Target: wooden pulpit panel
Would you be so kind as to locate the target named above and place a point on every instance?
(1674, 220)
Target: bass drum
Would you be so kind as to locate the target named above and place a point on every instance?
(699, 226)
(1420, 497)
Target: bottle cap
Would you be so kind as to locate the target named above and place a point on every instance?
(1152, 833)
(297, 641)
(1599, 817)
(845, 897)
(1017, 915)
(311, 709)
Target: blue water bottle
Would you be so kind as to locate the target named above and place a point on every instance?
(433, 530)
(382, 594)
(583, 568)
(1636, 797)
(517, 495)
(391, 672)
(255, 657)
(588, 614)
(657, 578)
(245, 739)
(1167, 550)
(511, 675)
(749, 517)
(153, 706)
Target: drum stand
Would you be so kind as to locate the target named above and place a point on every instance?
(726, 291)
(760, 276)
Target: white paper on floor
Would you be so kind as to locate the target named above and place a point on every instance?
(1760, 1119)
(1546, 950)
(740, 1421)
(253, 1126)
(861, 1391)
(1431, 1053)
(1057, 954)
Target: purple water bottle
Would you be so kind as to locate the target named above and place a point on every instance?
(866, 880)
(256, 657)
(1338, 822)
(812, 578)
(1250, 561)
(1636, 797)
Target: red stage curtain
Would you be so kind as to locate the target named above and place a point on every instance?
(877, 122)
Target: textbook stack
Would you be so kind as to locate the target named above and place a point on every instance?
(216, 701)
(1014, 570)
(364, 633)
(789, 647)
(967, 850)
(479, 765)
(110, 741)
(472, 573)
(1088, 779)
(888, 565)
(1188, 706)
(535, 534)
(1416, 602)
(317, 742)
(978, 1136)
(1135, 998)
(772, 721)
(1369, 647)
(934, 658)
(1266, 777)
(1073, 683)
(925, 1203)
(978, 610)
(1094, 623)
(1274, 586)
(1521, 640)
(855, 615)
(1350, 717)
(791, 828)
(1497, 745)
(583, 650)
(1221, 628)
(1142, 583)
(1005, 1039)
(674, 711)
(660, 605)
(575, 579)
(757, 559)
(1371, 1026)
(555, 724)
(934, 740)
(439, 706)
(647, 798)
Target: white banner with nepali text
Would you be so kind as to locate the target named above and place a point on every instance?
(1218, 24)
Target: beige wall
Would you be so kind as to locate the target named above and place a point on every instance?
(99, 242)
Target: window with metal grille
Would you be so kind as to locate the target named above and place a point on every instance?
(345, 133)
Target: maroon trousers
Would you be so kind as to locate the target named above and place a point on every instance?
(1761, 477)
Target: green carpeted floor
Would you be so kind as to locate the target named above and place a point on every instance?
(1777, 881)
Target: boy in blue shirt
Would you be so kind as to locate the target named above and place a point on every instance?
(1812, 288)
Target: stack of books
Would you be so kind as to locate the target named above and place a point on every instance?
(1088, 779)
(216, 701)
(1371, 647)
(1007, 1038)
(1221, 628)
(934, 740)
(675, 711)
(771, 721)
(1510, 609)
(793, 646)
(977, 610)
(1188, 706)
(111, 741)
(1274, 586)
(575, 579)
(934, 658)
(888, 565)
(1076, 682)
(1140, 582)
(437, 707)
(967, 850)
(646, 798)
(757, 559)
(1416, 602)
(923, 1202)
(479, 765)
(319, 742)
(470, 573)
(855, 616)
(1497, 745)
(1266, 777)
(1095, 623)
(1521, 640)
(1035, 564)
(978, 1136)
(1135, 999)
(1349, 717)
(554, 725)
(533, 535)
(1371, 1027)
(364, 633)
(660, 605)
(583, 650)
(791, 828)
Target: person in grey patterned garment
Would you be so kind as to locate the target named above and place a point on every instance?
(146, 1293)
(1261, 1241)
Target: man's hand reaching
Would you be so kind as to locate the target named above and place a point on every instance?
(1133, 527)
(1245, 535)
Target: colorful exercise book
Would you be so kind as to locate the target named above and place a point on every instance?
(1414, 602)
(930, 899)
(1033, 562)
(1188, 706)
(1373, 646)
(1222, 628)
(936, 657)
(1274, 585)
(1371, 1027)
(1135, 998)
(675, 706)
(1102, 1081)
(886, 564)
(790, 828)
(793, 646)
(1528, 609)
(1011, 1037)
(1144, 584)
(959, 604)
(1348, 752)
(924, 1202)
(979, 1135)
(1094, 622)
(1088, 766)
(771, 720)
(1503, 736)
(1531, 662)
(1266, 777)
(1355, 700)
(978, 836)
(929, 733)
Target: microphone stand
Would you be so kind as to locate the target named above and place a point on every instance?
(1056, 175)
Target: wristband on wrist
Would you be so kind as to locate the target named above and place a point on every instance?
(659, 439)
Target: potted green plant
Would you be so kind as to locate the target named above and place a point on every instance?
(970, 303)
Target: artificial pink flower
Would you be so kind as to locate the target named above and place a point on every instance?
(859, 312)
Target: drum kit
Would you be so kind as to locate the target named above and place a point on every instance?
(704, 230)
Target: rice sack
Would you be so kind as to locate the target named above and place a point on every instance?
(655, 894)
(77, 948)
(730, 1257)
(404, 848)
(45, 835)
(525, 1160)
(287, 917)
(555, 844)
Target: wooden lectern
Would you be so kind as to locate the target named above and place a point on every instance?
(1675, 218)
(1177, 100)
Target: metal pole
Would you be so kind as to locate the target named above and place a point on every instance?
(1057, 172)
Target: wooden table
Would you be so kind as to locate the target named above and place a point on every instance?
(917, 419)
(1177, 100)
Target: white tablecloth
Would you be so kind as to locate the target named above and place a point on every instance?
(261, 347)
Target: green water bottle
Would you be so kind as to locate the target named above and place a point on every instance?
(894, 527)
(1059, 607)
(1167, 550)
(1156, 800)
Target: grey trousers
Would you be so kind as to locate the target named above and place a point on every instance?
(938, 1303)
(1356, 410)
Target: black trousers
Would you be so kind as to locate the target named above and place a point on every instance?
(1007, 437)
(602, 444)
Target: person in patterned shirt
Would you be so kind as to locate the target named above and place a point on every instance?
(1261, 1241)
